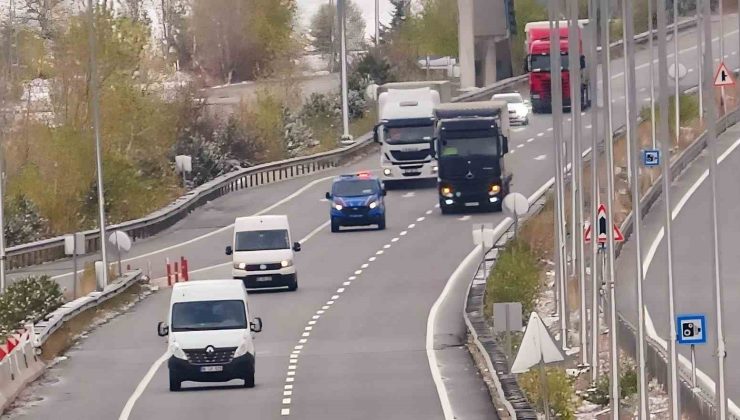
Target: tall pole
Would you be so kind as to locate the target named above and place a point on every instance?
(699, 49)
(668, 221)
(632, 138)
(556, 91)
(653, 136)
(608, 130)
(574, 64)
(721, 402)
(377, 22)
(721, 49)
(332, 38)
(6, 86)
(593, 7)
(676, 75)
(343, 66)
(98, 146)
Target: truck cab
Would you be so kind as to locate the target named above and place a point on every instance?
(471, 140)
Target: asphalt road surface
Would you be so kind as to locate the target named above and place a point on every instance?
(369, 292)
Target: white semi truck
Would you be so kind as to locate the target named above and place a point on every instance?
(405, 129)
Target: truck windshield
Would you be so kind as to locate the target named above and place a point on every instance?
(262, 240)
(406, 135)
(542, 62)
(355, 188)
(209, 315)
(469, 143)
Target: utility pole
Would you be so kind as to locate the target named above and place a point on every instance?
(98, 147)
(608, 130)
(574, 67)
(6, 89)
(700, 51)
(721, 353)
(377, 22)
(668, 217)
(557, 118)
(343, 60)
(723, 99)
(633, 165)
(653, 136)
(593, 7)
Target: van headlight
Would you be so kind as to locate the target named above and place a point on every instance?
(240, 266)
(177, 351)
(243, 348)
(286, 263)
(373, 204)
(338, 206)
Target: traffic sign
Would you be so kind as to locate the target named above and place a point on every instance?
(602, 228)
(537, 346)
(723, 77)
(692, 329)
(651, 157)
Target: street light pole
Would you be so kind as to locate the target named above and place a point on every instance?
(98, 147)
(721, 396)
(343, 66)
(653, 136)
(633, 164)
(377, 22)
(556, 91)
(593, 7)
(608, 130)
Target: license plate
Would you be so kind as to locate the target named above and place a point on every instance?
(264, 278)
(211, 368)
(474, 204)
(355, 215)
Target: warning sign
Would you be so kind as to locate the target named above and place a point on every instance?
(723, 77)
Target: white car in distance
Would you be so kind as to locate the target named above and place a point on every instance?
(518, 107)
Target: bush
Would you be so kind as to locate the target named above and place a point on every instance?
(297, 136)
(514, 278)
(561, 395)
(23, 223)
(601, 393)
(28, 301)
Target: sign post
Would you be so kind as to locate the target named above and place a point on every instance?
(507, 316)
(518, 206)
(122, 242)
(483, 235)
(74, 245)
(692, 330)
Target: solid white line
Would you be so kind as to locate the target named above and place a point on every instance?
(142, 386)
(217, 231)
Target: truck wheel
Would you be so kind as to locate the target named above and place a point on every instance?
(249, 381)
(381, 223)
(175, 382)
(334, 226)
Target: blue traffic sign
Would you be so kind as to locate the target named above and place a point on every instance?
(651, 157)
(691, 329)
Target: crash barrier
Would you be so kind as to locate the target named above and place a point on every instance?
(177, 271)
(19, 367)
(22, 364)
(52, 249)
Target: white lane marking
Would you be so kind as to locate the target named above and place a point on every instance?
(372, 259)
(285, 411)
(335, 297)
(288, 387)
(386, 246)
(289, 379)
(540, 134)
(464, 218)
(346, 283)
(409, 194)
(352, 278)
(299, 347)
(292, 367)
(512, 151)
(287, 393)
(291, 373)
(380, 252)
(366, 265)
(325, 307)
(217, 231)
(303, 341)
(411, 226)
(331, 302)
(530, 140)
(540, 157)
(142, 386)
(431, 354)
(519, 146)
(394, 240)
(549, 129)
(429, 212)
(306, 334)
(340, 290)
(309, 328)
(358, 272)
(316, 316)
(309, 323)
(420, 219)
(643, 89)
(403, 233)
(436, 206)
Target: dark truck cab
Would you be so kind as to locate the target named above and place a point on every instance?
(470, 142)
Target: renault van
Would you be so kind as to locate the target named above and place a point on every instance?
(262, 252)
(210, 333)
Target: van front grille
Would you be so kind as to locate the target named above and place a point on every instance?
(219, 356)
(258, 267)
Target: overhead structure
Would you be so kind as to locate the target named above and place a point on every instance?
(484, 32)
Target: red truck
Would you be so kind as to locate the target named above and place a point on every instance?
(537, 43)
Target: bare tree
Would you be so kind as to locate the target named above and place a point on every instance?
(42, 12)
(134, 9)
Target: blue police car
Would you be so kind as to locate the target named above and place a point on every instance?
(357, 200)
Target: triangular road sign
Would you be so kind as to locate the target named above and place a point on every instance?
(618, 237)
(723, 77)
(537, 345)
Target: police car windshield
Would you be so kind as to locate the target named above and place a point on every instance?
(262, 240)
(355, 188)
(209, 315)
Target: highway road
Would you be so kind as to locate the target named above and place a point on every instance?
(230, 95)
(354, 341)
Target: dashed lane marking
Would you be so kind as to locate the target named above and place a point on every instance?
(540, 157)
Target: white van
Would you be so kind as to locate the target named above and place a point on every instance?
(262, 252)
(210, 333)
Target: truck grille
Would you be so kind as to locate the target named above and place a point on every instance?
(219, 356)
(417, 155)
(256, 267)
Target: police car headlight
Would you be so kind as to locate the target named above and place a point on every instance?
(338, 206)
(373, 204)
(387, 172)
(240, 266)
(286, 263)
(177, 351)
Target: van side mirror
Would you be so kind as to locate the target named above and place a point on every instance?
(504, 145)
(297, 246)
(328, 196)
(229, 250)
(583, 61)
(383, 192)
(256, 325)
(432, 148)
(163, 329)
(526, 64)
(376, 138)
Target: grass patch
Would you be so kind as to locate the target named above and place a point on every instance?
(514, 278)
(560, 391)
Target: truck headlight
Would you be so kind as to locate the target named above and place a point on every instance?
(435, 168)
(373, 204)
(177, 351)
(286, 263)
(494, 189)
(446, 192)
(240, 266)
(387, 171)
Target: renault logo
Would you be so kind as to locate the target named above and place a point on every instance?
(263, 267)
(210, 350)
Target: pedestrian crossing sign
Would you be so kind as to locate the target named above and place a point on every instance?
(723, 77)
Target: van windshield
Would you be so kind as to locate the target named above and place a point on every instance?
(262, 240)
(209, 315)
(355, 188)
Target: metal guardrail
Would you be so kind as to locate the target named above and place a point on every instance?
(52, 249)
